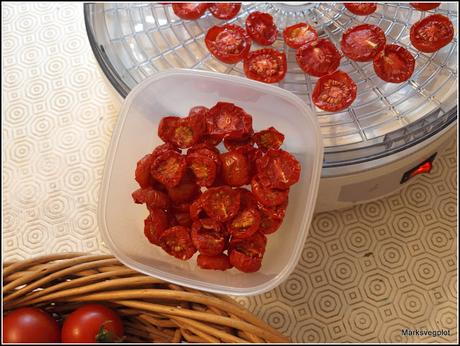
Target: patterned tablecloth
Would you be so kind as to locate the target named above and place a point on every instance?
(365, 272)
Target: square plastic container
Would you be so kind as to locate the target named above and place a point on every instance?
(174, 92)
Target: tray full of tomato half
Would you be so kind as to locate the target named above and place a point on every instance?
(221, 204)
(335, 89)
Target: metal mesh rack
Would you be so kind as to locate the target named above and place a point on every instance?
(134, 40)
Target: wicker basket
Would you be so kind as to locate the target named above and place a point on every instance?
(152, 310)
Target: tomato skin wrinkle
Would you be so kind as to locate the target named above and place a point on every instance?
(261, 28)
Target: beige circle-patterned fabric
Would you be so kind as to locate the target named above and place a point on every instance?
(365, 274)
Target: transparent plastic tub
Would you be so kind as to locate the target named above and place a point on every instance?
(174, 92)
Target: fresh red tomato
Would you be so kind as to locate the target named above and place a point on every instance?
(268, 196)
(154, 225)
(425, 6)
(299, 34)
(363, 42)
(30, 325)
(227, 120)
(92, 323)
(177, 242)
(188, 10)
(244, 224)
(221, 203)
(246, 254)
(431, 33)
(261, 28)
(361, 9)
(218, 262)
(153, 198)
(395, 64)
(182, 132)
(318, 58)
(334, 92)
(270, 138)
(203, 167)
(208, 237)
(235, 168)
(265, 65)
(278, 169)
(225, 10)
(229, 43)
(168, 168)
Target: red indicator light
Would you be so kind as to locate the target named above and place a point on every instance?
(425, 168)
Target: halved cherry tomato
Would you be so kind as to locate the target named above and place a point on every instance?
(363, 42)
(265, 65)
(278, 169)
(177, 242)
(252, 154)
(244, 224)
(186, 191)
(227, 120)
(231, 143)
(299, 34)
(268, 196)
(218, 262)
(203, 167)
(425, 6)
(154, 225)
(247, 199)
(164, 148)
(208, 237)
(261, 28)
(269, 139)
(229, 43)
(142, 174)
(188, 10)
(361, 9)
(205, 149)
(197, 208)
(246, 254)
(182, 132)
(334, 92)
(318, 58)
(395, 64)
(225, 10)
(153, 198)
(235, 168)
(431, 33)
(169, 168)
(270, 222)
(221, 203)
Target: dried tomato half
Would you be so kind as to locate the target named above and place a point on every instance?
(177, 242)
(153, 198)
(154, 225)
(182, 132)
(221, 203)
(208, 237)
(235, 168)
(270, 138)
(203, 167)
(169, 168)
(244, 224)
(268, 196)
(218, 262)
(227, 120)
(246, 254)
(278, 169)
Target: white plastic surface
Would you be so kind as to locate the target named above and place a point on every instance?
(174, 92)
